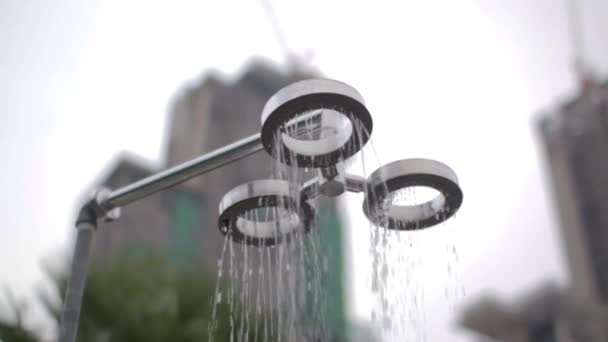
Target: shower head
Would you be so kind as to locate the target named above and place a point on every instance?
(315, 123)
(264, 213)
(387, 181)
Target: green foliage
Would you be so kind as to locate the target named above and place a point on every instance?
(140, 298)
(145, 299)
(14, 332)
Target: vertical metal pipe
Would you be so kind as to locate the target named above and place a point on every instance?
(76, 282)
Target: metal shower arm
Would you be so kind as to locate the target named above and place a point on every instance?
(198, 166)
(183, 172)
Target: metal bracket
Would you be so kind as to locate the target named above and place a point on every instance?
(95, 209)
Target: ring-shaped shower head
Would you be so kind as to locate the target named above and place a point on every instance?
(263, 213)
(383, 184)
(315, 123)
(318, 123)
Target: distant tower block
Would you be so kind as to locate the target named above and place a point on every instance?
(576, 147)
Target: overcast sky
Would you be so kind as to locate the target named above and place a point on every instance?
(456, 81)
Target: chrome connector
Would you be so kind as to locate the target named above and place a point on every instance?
(98, 208)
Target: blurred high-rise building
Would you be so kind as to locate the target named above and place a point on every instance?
(576, 148)
(575, 142)
(181, 223)
(545, 314)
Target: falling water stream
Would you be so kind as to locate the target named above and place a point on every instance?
(407, 268)
(276, 293)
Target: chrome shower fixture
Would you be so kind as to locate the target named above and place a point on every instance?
(315, 124)
(318, 124)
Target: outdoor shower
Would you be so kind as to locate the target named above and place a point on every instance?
(314, 124)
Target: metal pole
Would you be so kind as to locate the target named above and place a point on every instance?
(76, 282)
(184, 172)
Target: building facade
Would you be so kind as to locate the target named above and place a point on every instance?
(576, 148)
(575, 142)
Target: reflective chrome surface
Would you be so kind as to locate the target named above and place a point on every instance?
(307, 87)
(183, 172)
(402, 174)
(264, 212)
(315, 123)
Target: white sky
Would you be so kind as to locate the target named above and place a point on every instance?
(454, 81)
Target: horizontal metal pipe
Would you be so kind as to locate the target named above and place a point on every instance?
(183, 172)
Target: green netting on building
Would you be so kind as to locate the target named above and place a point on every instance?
(136, 249)
(186, 222)
(330, 246)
